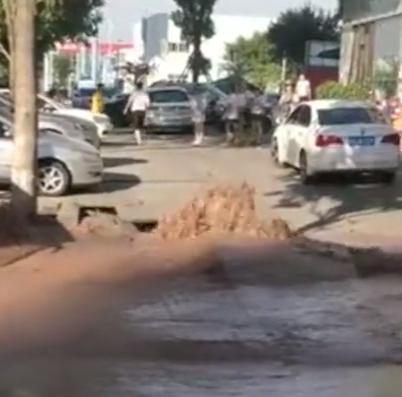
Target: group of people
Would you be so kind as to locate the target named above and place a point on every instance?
(293, 94)
(243, 109)
(239, 106)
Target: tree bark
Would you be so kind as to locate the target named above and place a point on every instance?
(10, 8)
(197, 55)
(25, 126)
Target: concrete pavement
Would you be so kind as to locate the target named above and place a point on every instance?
(146, 182)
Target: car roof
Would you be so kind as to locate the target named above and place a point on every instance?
(324, 104)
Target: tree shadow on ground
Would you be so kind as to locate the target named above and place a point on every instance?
(348, 197)
(113, 182)
(20, 238)
(113, 162)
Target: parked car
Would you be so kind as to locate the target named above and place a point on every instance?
(114, 109)
(49, 105)
(63, 163)
(64, 125)
(102, 121)
(170, 110)
(337, 136)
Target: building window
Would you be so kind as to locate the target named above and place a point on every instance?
(178, 47)
(173, 47)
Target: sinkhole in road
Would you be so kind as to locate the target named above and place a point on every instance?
(142, 225)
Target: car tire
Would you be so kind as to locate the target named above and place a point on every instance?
(53, 178)
(388, 178)
(275, 154)
(306, 176)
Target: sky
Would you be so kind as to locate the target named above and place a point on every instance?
(120, 15)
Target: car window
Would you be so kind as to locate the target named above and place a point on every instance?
(304, 116)
(294, 117)
(168, 96)
(356, 115)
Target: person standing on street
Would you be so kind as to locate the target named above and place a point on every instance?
(198, 107)
(286, 101)
(138, 104)
(232, 116)
(97, 100)
(303, 89)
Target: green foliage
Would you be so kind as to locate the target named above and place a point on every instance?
(63, 66)
(251, 59)
(60, 20)
(194, 18)
(386, 78)
(335, 90)
(295, 27)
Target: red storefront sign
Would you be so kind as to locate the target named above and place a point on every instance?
(104, 47)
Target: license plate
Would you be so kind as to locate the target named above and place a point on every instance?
(362, 141)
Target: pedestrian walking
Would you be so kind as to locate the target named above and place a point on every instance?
(98, 100)
(199, 107)
(138, 104)
(232, 115)
(303, 89)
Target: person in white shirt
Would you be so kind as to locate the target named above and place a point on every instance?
(303, 89)
(199, 106)
(138, 104)
(233, 105)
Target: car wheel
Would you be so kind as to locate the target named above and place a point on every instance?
(275, 153)
(54, 179)
(388, 177)
(306, 177)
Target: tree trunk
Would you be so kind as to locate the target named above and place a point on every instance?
(196, 63)
(25, 125)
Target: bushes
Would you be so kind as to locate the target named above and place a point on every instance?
(335, 90)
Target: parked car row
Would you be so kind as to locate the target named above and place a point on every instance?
(63, 162)
(68, 145)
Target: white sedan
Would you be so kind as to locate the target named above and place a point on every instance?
(46, 104)
(102, 121)
(337, 136)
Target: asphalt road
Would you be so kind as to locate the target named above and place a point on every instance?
(237, 333)
(146, 182)
(236, 336)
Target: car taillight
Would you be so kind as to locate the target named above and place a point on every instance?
(393, 139)
(328, 140)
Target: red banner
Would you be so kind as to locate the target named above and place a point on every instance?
(104, 47)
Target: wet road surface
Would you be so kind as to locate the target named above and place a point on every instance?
(210, 335)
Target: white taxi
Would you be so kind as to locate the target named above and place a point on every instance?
(328, 136)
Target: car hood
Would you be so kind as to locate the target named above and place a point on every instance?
(82, 114)
(47, 139)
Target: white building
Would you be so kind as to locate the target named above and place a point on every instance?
(162, 45)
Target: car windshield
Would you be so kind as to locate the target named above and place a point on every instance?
(168, 96)
(85, 92)
(356, 115)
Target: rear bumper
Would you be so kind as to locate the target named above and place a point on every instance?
(339, 160)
